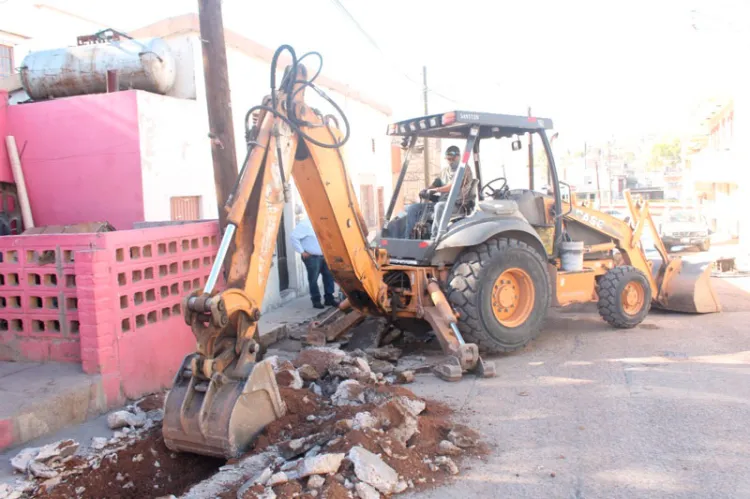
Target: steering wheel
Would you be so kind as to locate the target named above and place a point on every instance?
(496, 193)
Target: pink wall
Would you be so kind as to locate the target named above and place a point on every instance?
(81, 158)
(5, 173)
(110, 301)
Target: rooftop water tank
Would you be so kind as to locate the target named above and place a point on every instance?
(146, 64)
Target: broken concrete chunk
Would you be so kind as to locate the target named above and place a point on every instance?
(322, 464)
(41, 470)
(381, 367)
(413, 406)
(349, 392)
(268, 494)
(448, 448)
(405, 377)
(388, 352)
(308, 372)
(316, 389)
(362, 364)
(156, 415)
(372, 470)
(98, 443)
(463, 437)
(366, 491)
(278, 478)
(401, 486)
(293, 448)
(316, 482)
(349, 372)
(119, 419)
(447, 464)
(363, 420)
(314, 339)
(20, 461)
(321, 358)
(54, 453)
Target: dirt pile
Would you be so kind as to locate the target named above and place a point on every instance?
(351, 432)
(131, 463)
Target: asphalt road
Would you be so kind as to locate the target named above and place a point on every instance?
(586, 411)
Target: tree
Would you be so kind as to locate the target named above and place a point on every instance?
(665, 153)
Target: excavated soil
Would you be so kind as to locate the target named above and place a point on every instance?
(147, 469)
(411, 462)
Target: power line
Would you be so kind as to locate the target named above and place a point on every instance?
(377, 47)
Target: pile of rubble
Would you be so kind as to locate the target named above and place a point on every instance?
(351, 431)
(69, 469)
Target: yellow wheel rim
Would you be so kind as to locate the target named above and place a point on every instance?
(633, 298)
(513, 297)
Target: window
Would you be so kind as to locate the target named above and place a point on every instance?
(6, 61)
(185, 208)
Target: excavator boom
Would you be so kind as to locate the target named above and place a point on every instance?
(224, 394)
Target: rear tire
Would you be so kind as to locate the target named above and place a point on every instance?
(705, 245)
(624, 297)
(501, 290)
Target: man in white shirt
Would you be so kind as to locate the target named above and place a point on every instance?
(306, 243)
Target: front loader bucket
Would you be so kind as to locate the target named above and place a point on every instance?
(220, 417)
(686, 287)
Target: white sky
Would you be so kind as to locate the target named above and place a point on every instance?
(597, 68)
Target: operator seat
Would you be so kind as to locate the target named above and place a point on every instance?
(531, 205)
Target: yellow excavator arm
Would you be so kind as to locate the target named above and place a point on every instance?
(222, 394)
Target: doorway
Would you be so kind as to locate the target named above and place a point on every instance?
(281, 256)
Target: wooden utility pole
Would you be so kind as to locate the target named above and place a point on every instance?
(531, 156)
(221, 130)
(426, 142)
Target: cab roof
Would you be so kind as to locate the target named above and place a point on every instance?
(456, 124)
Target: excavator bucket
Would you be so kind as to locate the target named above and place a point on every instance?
(221, 416)
(686, 286)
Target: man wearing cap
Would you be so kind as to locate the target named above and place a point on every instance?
(453, 157)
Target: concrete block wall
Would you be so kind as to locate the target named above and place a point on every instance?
(110, 301)
(38, 297)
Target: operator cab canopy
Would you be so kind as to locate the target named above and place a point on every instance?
(457, 124)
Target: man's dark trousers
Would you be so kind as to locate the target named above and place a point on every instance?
(316, 265)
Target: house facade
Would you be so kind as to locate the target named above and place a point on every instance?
(134, 156)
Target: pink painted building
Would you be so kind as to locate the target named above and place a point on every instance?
(91, 157)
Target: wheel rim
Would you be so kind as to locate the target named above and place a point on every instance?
(513, 297)
(632, 298)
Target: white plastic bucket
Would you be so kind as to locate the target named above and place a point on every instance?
(571, 256)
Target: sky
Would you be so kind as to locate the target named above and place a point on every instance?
(599, 69)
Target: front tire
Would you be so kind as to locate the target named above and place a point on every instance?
(501, 290)
(705, 245)
(624, 297)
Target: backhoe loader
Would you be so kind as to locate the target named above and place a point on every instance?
(483, 279)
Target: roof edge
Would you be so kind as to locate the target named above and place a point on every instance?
(188, 23)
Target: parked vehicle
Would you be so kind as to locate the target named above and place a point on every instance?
(685, 228)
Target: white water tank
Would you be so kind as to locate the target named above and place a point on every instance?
(141, 64)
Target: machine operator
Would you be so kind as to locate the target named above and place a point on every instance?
(441, 186)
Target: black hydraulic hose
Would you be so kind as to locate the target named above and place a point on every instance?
(287, 85)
